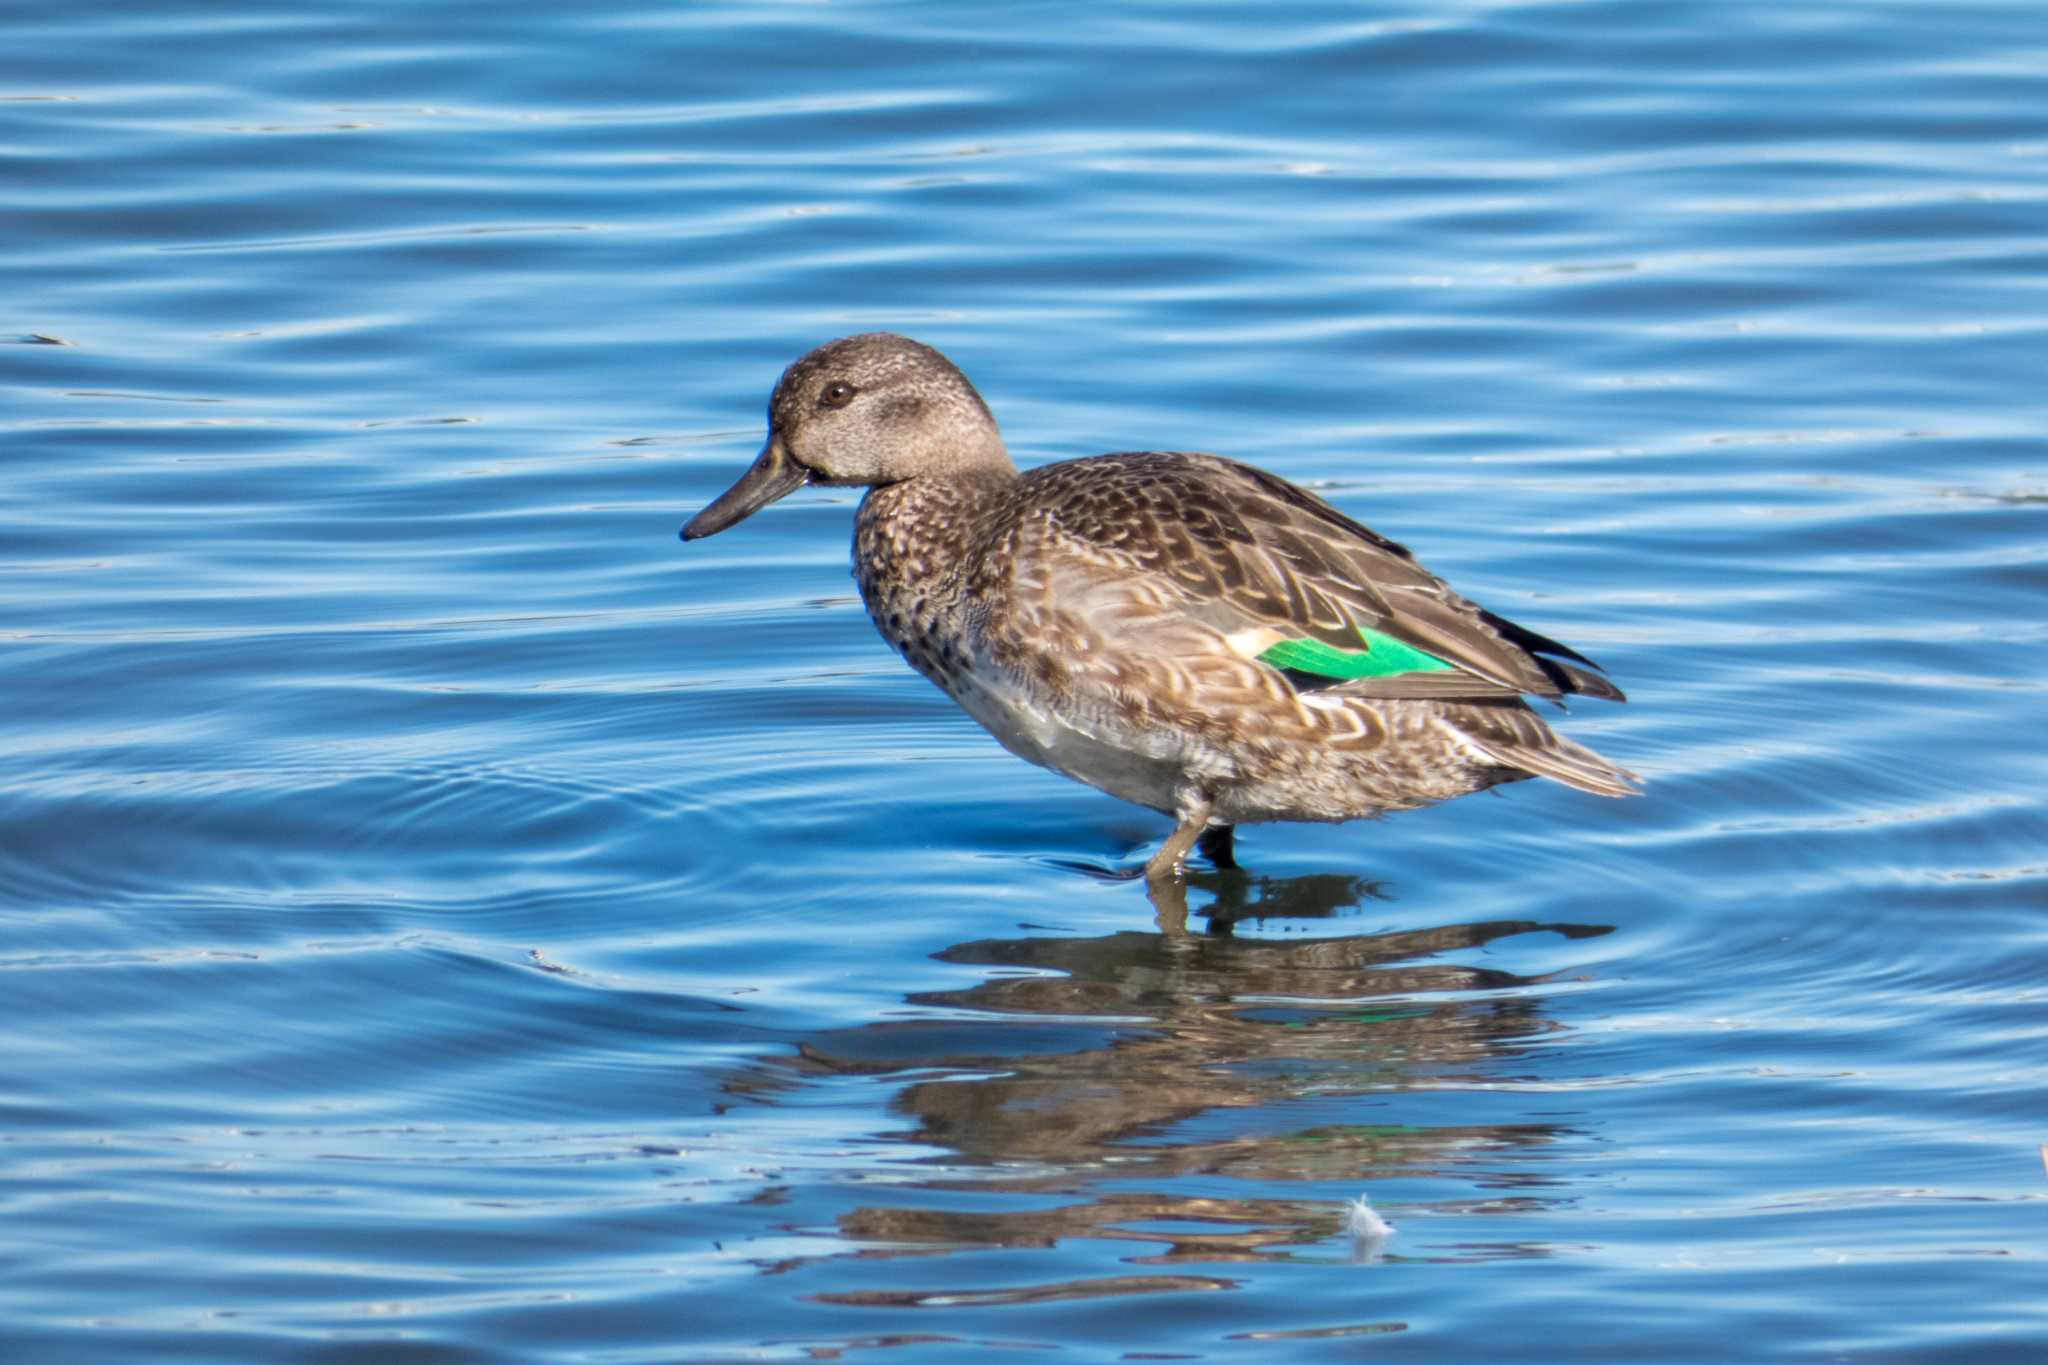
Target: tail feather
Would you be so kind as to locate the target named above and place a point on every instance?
(1516, 737)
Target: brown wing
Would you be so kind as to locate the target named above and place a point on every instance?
(1248, 551)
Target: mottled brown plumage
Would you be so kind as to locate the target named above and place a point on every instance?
(1106, 617)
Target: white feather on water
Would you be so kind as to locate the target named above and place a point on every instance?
(1368, 1231)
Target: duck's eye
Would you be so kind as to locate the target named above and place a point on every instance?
(837, 394)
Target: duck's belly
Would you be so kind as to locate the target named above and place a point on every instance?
(1145, 768)
(1152, 768)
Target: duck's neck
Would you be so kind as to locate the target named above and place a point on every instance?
(921, 535)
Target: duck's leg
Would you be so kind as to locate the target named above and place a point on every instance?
(1218, 844)
(1166, 872)
(1171, 859)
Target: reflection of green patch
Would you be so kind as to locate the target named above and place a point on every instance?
(1382, 657)
(1353, 1132)
(1360, 1017)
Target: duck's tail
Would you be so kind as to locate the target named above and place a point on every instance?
(1516, 737)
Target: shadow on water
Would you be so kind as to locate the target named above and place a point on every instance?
(1242, 897)
(1083, 1066)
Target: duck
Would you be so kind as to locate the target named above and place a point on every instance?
(1183, 631)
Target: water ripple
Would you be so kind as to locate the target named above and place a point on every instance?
(448, 918)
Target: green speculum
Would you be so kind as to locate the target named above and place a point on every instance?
(1381, 657)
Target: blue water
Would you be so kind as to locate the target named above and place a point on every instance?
(444, 918)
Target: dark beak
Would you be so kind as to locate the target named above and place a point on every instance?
(772, 476)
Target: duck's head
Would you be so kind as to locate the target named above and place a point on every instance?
(870, 409)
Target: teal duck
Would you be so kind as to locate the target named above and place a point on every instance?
(1179, 630)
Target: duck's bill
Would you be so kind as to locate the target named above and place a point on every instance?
(771, 476)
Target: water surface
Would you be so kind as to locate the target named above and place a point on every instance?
(445, 918)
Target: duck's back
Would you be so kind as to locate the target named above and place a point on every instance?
(1255, 555)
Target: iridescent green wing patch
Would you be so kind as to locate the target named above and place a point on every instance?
(1381, 657)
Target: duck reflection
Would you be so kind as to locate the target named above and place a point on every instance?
(1241, 897)
(1142, 1057)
